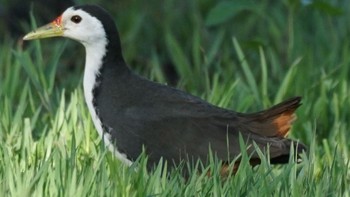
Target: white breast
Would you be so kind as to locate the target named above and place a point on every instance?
(94, 56)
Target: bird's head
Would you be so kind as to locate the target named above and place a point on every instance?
(87, 24)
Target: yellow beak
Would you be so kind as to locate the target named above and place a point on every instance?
(52, 29)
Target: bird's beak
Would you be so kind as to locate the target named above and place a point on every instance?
(52, 29)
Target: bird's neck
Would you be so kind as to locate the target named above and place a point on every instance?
(99, 55)
(93, 64)
(95, 54)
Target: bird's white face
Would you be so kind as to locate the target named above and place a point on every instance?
(75, 24)
(81, 26)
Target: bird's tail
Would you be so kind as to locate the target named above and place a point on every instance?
(276, 121)
(271, 127)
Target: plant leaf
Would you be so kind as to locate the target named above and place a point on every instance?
(224, 11)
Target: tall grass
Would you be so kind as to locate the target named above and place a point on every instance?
(247, 58)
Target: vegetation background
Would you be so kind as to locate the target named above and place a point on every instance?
(243, 55)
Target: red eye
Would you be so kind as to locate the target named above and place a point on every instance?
(75, 19)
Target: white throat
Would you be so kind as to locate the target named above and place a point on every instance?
(94, 58)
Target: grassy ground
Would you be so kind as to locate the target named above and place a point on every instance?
(237, 55)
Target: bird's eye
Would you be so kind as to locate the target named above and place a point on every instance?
(75, 19)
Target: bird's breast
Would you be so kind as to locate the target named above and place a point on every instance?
(94, 61)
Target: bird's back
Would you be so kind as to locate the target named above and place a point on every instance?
(174, 125)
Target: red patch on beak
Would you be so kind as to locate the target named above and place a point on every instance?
(57, 21)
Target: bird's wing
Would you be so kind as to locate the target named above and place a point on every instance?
(173, 124)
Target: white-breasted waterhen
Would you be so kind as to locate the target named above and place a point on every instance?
(132, 113)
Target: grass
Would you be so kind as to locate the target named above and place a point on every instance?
(246, 58)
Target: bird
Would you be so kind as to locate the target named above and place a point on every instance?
(133, 114)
